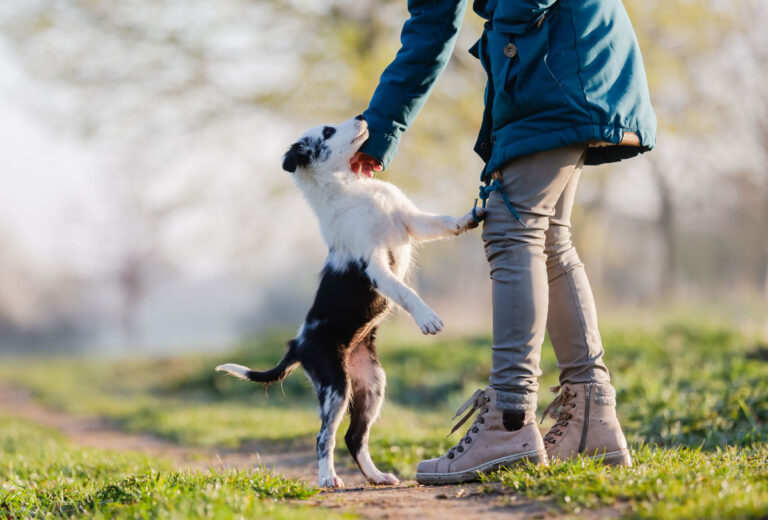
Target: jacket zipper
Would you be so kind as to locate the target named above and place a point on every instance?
(584, 431)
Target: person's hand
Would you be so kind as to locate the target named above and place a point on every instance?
(365, 164)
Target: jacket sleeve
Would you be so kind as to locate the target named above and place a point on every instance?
(427, 41)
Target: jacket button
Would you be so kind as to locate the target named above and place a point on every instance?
(510, 50)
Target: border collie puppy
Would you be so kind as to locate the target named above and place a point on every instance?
(369, 226)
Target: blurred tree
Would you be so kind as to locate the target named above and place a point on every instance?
(38, 310)
(675, 37)
(150, 80)
(744, 111)
(172, 90)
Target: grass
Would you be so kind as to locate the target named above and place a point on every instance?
(672, 484)
(41, 476)
(693, 399)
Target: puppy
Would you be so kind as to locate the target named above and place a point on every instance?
(369, 227)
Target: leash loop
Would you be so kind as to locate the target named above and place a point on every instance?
(485, 192)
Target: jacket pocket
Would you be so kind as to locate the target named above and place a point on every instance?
(539, 82)
(503, 70)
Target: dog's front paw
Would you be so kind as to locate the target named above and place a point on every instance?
(428, 321)
(331, 482)
(468, 221)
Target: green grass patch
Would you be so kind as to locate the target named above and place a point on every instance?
(692, 397)
(664, 483)
(42, 476)
(680, 384)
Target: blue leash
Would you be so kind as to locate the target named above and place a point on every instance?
(485, 192)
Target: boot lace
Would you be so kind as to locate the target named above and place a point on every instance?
(559, 409)
(477, 402)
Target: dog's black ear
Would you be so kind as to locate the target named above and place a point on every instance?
(289, 159)
(297, 155)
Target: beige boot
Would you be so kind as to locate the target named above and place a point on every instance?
(496, 439)
(586, 425)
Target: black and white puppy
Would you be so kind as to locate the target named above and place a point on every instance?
(369, 227)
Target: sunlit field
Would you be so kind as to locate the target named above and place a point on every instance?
(693, 400)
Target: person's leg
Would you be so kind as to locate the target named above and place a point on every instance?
(572, 319)
(518, 263)
(585, 409)
(505, 432)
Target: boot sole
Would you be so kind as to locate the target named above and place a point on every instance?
(458, 477)
(614, 458)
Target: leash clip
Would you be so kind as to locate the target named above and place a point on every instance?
(474, 212)
(485, 192)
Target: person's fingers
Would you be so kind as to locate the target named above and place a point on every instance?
(365, 164)
(355, 164)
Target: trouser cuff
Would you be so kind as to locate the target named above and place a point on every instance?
(515, 401)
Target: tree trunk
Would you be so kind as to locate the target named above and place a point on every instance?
(765, 296)
(131, 282)
(666, 224)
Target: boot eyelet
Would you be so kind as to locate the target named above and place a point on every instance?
(469, 440)
(475, 429)
(559, 434)
(481, 420)
(460, 449)
(450, 455)
(487, 399)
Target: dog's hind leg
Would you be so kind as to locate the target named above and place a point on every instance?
(334, 399)
(368, 382)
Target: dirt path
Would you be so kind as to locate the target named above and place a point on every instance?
(407, 500)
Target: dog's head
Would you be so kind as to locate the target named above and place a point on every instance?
(326, 148)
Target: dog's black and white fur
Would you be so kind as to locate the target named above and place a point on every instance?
(369, 226)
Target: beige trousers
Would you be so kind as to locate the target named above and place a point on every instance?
(538, 279)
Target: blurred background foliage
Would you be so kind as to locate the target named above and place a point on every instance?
(147, 211)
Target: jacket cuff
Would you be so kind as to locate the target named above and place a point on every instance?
(381, 145)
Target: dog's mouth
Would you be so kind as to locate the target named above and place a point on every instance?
(362, 136)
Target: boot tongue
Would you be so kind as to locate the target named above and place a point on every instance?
(476, 401)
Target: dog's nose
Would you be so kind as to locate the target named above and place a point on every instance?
(360, 117)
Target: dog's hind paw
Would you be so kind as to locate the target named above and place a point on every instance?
(331, 482)
(428, 321)
(384, 479)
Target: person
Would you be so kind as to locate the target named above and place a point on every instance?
(566, 88)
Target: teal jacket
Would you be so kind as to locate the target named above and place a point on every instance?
(559, 72)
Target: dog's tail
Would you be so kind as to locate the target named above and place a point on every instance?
(287, 365)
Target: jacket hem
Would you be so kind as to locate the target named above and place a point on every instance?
(508, 147)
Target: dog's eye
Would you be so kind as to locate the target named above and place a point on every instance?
(328, 131)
